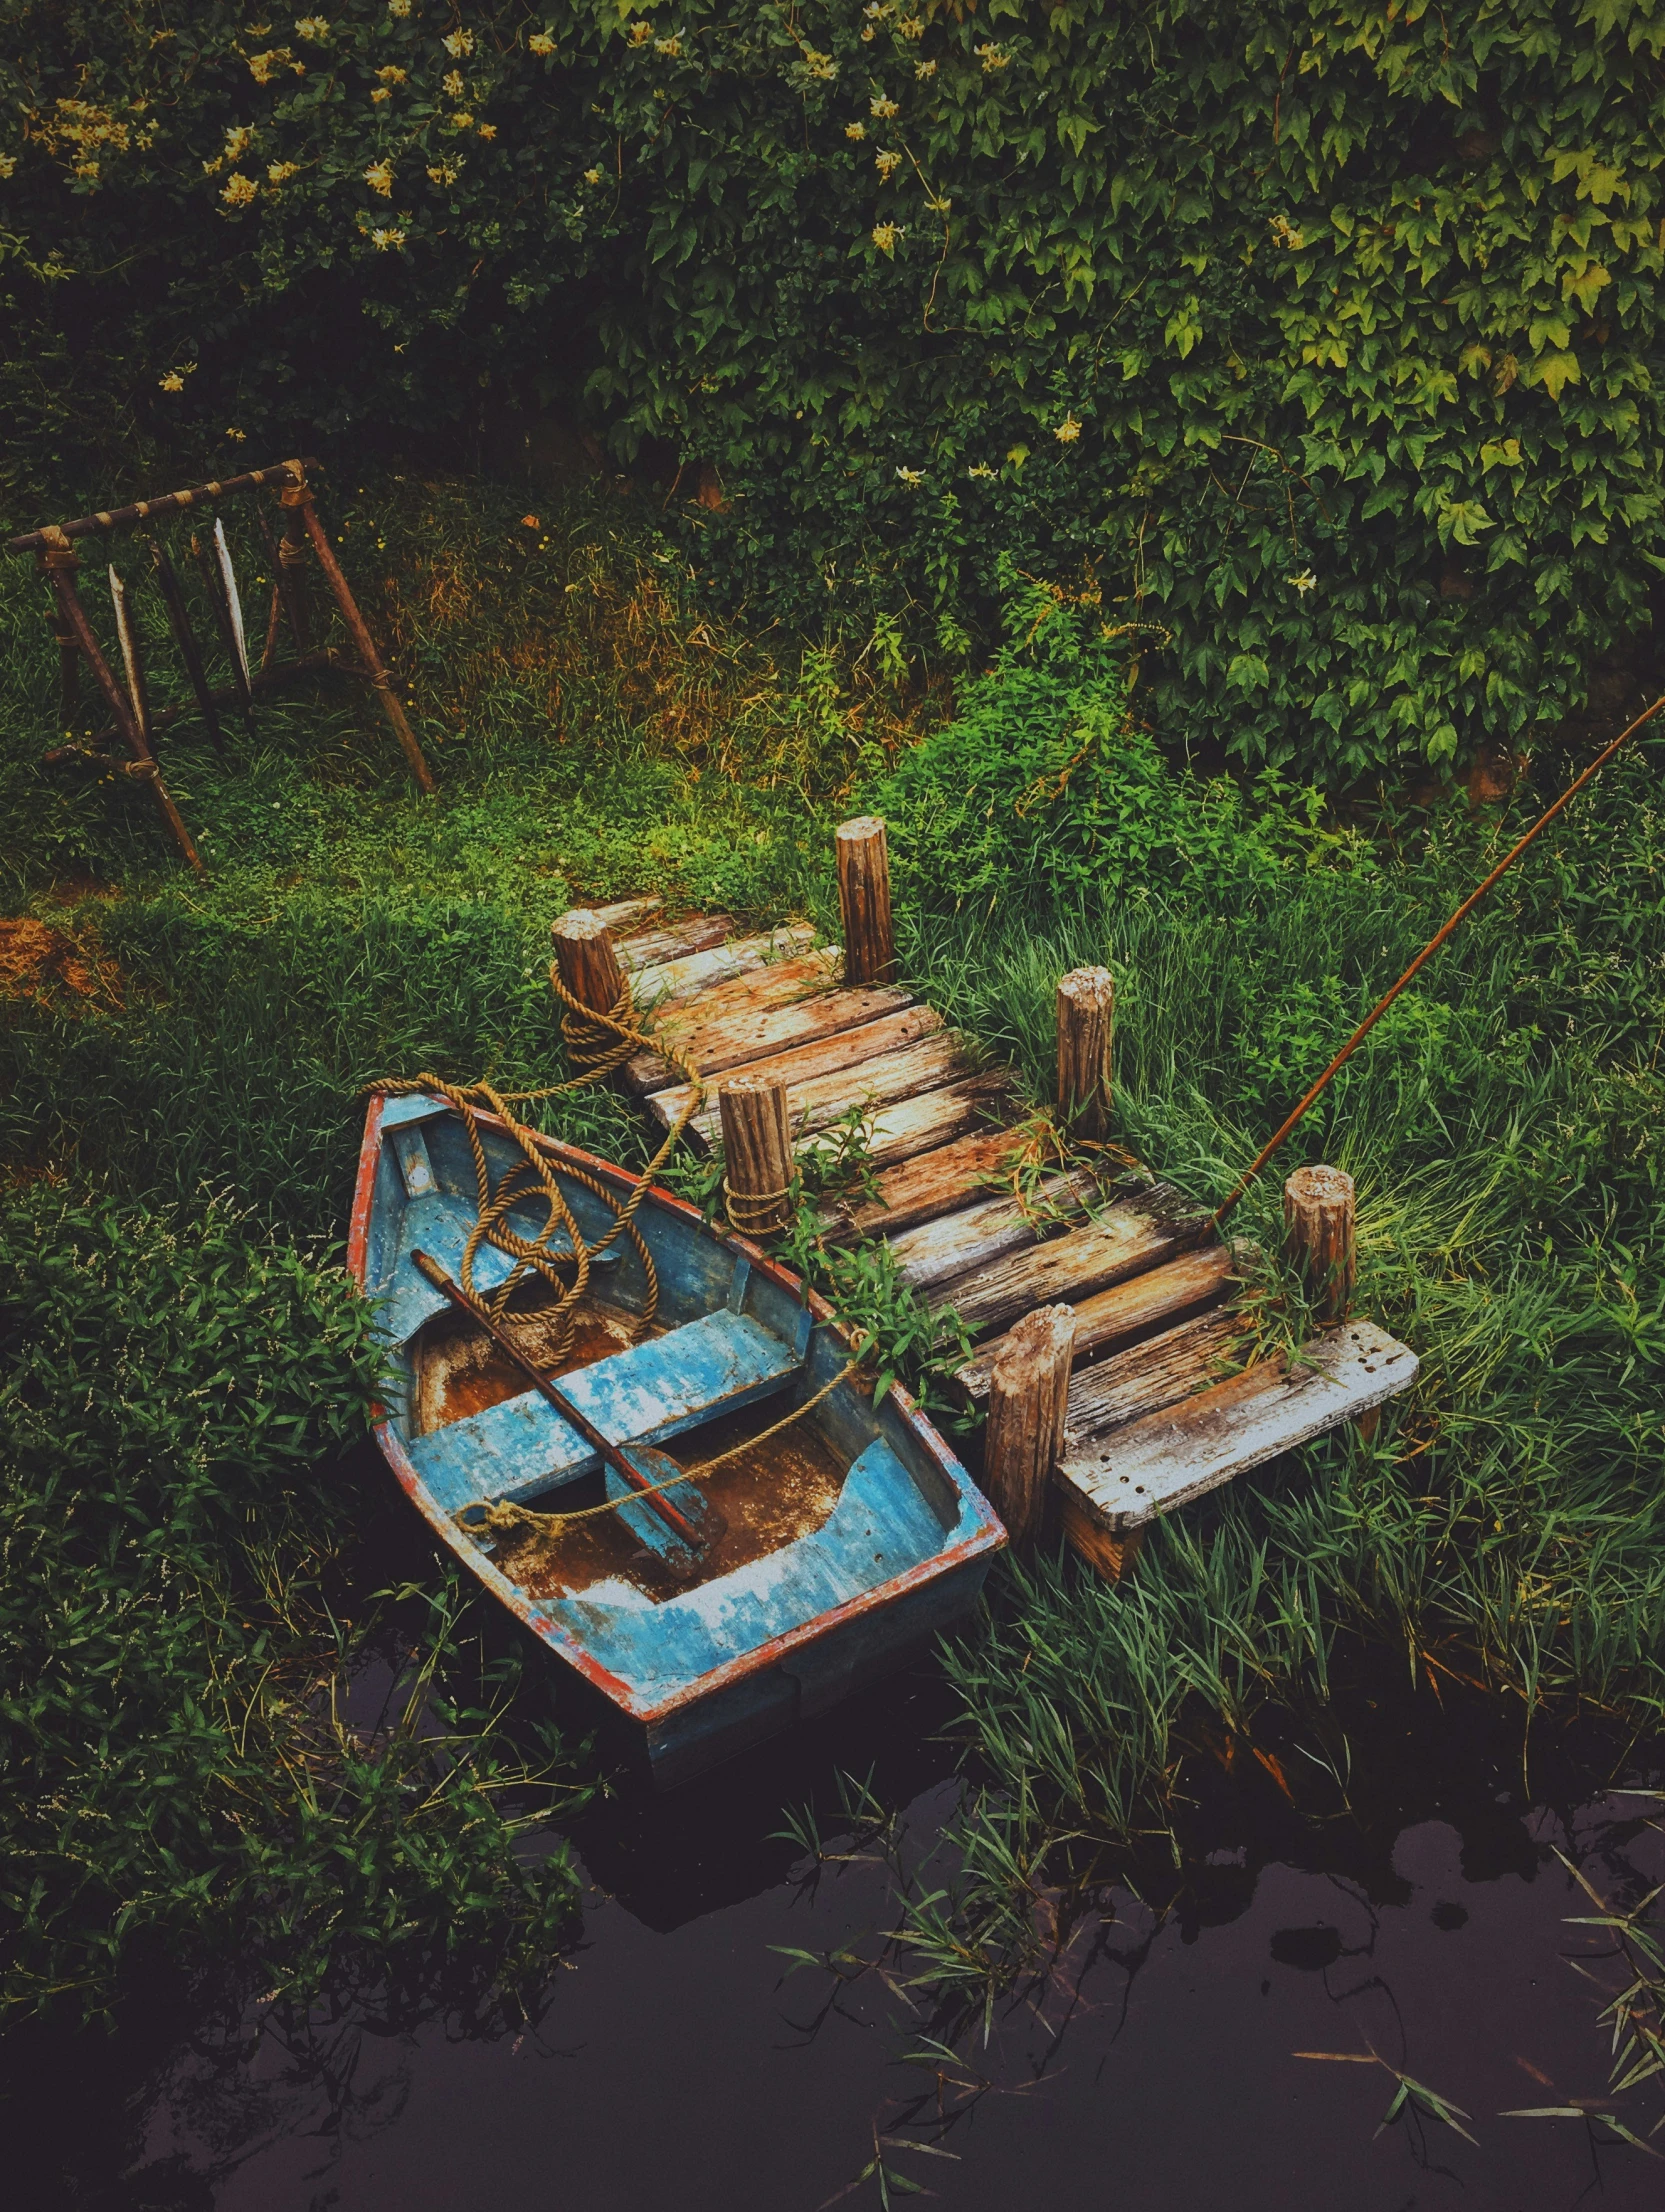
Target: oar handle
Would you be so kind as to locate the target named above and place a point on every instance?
(428, 1267)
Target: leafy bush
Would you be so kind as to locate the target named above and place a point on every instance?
(1325, 333)
(1044, 789)
(180, 1757)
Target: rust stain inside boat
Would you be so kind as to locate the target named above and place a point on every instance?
(769, 1495)
(461, 1372)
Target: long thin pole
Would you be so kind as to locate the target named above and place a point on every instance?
(84, 526)
(1425, 955)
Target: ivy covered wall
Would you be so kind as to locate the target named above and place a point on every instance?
(1320, 339)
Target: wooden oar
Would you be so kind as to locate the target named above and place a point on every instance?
(179, 620)
(639, 1465)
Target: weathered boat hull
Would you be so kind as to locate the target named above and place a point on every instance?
(705, 1673)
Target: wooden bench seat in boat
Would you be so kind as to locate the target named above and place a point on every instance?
(688, 1376)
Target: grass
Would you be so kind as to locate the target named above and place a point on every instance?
(188, 1050)
(190, 1606)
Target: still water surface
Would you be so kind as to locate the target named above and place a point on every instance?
(680, 2061)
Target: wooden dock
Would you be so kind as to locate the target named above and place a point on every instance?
(1111, 1353)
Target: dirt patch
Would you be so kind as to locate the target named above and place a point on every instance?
(41, 963)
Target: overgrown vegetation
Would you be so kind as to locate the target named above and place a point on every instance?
(196, 1049)
(189, 1611)
(1322, 333)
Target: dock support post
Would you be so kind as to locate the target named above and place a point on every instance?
(864, 900)
(1318, 1238)
(1028, 1395)
(757, 1151)
(1086, 1009)
(584, 955)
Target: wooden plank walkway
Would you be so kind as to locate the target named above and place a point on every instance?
(1160, 1405)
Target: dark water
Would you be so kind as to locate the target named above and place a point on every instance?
(679, 2062)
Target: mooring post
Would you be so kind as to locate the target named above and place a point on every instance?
(1086, 1010)
(1318, 1238)
(757, 1152)
(864, 900)
(586, 961)
(1029, 1389)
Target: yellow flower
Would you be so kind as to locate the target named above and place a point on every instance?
(392, 74)
(855, 130)
(980, 469)
(911, 26)
(592, 176)
(240, 435)
(445, 172)
(488, 130)
(1303, 583)
(924, 68)
(1285, 233)
(640, 33)
(172, 382)
(1067, 431)
(820, 65)
(381, 93)
(671, 46)
(458, 43)
(462, 120)
(991, 57)
(239, 191)
(887, 163)
(313, 27)
(264, 67)
(398, 7)
(881, 107)
(279, 172)
(379, 177)
(8, 165)
(540, 42)
(913, 478)
(383, 240)
(885, 236)
(238, 141)
(453, 83)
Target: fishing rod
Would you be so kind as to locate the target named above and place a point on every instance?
(1425, 955)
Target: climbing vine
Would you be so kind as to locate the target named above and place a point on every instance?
(1320, 335)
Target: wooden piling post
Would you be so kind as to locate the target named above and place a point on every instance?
(757, 1152)
(1028, 1396)
(864, 900)
(1086, 1009)
(588, 965)
(1318, 1237)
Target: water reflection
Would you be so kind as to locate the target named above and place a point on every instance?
(1398, 1910)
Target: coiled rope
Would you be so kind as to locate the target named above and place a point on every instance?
(597, 1045)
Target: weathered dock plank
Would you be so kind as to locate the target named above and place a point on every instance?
(652, 948)
(1127, 1309)
(937, 1251)
(930, 1065)
(1166, 1459)
(750, 1032)
(1134, 1234)
(678, 980)
(847, 1052)
(919, 1124)
(1158, 1373)
(922, 1188)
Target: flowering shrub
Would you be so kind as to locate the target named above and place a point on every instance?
(1324, 333)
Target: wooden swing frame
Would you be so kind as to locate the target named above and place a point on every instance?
(54, 549)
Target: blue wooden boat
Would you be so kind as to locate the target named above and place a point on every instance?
(830, 1550)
